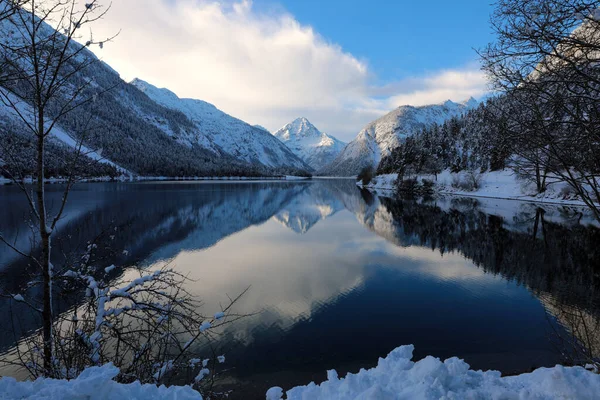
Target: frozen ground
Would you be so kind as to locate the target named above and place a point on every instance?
(497, 185)
(396, 377)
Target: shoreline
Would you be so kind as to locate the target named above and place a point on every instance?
(499, 185)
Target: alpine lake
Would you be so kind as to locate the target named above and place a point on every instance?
(338, 276)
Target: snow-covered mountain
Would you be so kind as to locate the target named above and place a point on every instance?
(147, 132)
(220, 131)
(378, 138)
(315, 148)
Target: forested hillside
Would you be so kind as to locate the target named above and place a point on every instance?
(473, 141)
(380, 137)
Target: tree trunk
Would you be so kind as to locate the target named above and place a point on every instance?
(538, 179)
(45, 263)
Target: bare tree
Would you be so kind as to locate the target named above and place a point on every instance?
(42, 82)
(545, 62)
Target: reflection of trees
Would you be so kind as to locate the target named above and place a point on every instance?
(559, 264)
(581, 343)
(547, 257)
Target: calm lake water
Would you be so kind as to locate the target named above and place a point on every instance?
(339, 277)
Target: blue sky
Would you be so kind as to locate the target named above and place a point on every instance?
(341, 64)
(398, 38)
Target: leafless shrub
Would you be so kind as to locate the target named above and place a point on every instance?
(469, 181)
(145, 323)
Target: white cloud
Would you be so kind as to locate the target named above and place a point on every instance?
(264, 68)
(456, 85)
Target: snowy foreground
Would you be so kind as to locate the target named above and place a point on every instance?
(94, 383)
(395, 377)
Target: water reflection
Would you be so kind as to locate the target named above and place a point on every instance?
(308, 208)
(340, 276)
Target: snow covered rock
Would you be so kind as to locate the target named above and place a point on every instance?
(94, 383)
(315, 148)
(396, 377)
(381, 136)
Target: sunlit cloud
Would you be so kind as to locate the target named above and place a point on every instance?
(265, 68)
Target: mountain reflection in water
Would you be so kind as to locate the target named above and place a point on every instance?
(339, 276)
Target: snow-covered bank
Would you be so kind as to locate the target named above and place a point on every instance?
(497, 185)
(397, 377)
(94, 383)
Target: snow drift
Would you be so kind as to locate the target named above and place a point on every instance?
(396, 377)
(94, 383)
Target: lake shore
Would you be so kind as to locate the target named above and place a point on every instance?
(492, 185)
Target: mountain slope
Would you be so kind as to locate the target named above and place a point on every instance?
(378, 138)
(218, 130)
(315, 148)
(136, 133)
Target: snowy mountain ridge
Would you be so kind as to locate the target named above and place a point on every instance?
(220, 131)
(315, 148)
(379, 137)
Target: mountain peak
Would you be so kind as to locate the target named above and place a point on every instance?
(300, 127)
(308, 143)
(301, 120)
(470, 102)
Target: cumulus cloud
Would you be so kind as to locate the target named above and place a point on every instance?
(264, 68)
